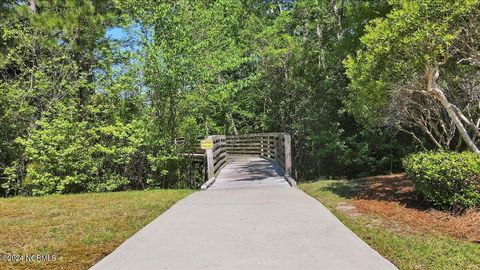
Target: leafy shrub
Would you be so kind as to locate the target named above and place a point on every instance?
(449, 180)
(66, 156)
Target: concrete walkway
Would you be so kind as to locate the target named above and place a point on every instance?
(248, 225)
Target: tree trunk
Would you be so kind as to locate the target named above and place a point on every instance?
(319, 32)
(338, 11)
(232, 121)
(33, 6)
(434, 90)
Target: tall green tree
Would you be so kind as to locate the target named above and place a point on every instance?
(48, 55)
(304, 85)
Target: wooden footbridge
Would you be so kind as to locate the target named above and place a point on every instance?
(251, 160)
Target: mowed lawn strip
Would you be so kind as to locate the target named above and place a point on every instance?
(402, 245)
(79, 229)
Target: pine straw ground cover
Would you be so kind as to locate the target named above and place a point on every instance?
(387, 213)
(78, 229)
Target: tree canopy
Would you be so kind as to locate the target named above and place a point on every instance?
(415, 73)
(94, 93)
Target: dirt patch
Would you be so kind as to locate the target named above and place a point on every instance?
(393, 199)
(348, 209)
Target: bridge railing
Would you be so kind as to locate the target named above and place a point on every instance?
(274, 146)
(216, 156)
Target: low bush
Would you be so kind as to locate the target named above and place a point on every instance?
(447, 179)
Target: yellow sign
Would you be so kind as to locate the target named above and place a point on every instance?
(206, 144)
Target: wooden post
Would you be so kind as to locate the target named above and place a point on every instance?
(223, 144)
(262, 146)
(210, 165)
(288, 155)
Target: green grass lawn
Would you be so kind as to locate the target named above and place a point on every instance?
(404, 247)
(78, 229)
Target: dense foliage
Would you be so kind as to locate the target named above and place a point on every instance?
(449, 180)
(418, 72)
(95, 93)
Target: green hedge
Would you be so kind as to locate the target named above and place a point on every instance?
(449, 180)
